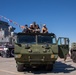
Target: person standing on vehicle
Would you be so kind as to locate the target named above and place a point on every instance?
(31, 28)
(26, 29)
(36, 28)
(44, 29)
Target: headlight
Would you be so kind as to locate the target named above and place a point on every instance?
(44, 50)
(29, 50)
(52, 56)
(18, 55)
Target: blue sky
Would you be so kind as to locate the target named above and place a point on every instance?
(58, 15)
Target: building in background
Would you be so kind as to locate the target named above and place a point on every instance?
(6, 32)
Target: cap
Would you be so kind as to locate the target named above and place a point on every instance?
(31, 24)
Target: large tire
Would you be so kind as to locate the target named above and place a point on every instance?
(8, 54)
(20, 67)
(0, 54)
(3, 54)
(12, 52)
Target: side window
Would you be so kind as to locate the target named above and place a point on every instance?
(54, 40)
(63, 41)
(66, 41)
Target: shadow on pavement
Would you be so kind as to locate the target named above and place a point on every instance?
(59, 67)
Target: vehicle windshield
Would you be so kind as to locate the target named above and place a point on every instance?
(32, 39)
(46, 39)
(26, 39)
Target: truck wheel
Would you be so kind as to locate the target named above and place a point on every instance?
(8, 54)
(0, 54)
(20, 67)
(49, 67)
(12, 53)
(3, 54)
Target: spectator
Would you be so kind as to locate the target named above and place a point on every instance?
(31, 28)
(44, 29)
(26, 29)
(36, 28)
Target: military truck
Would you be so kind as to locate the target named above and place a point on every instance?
(39, 50)
(73, 51)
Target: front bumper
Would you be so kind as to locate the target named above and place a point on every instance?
(37, 58)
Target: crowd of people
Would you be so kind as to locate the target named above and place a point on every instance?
(34, 28)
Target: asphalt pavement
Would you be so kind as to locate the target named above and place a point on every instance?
(8, 67)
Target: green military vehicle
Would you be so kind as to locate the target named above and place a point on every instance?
(39, 49)
(73, 51)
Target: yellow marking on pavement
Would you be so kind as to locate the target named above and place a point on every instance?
(11, 72)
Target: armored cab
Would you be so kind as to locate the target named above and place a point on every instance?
(39, 49)
(73, 51)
